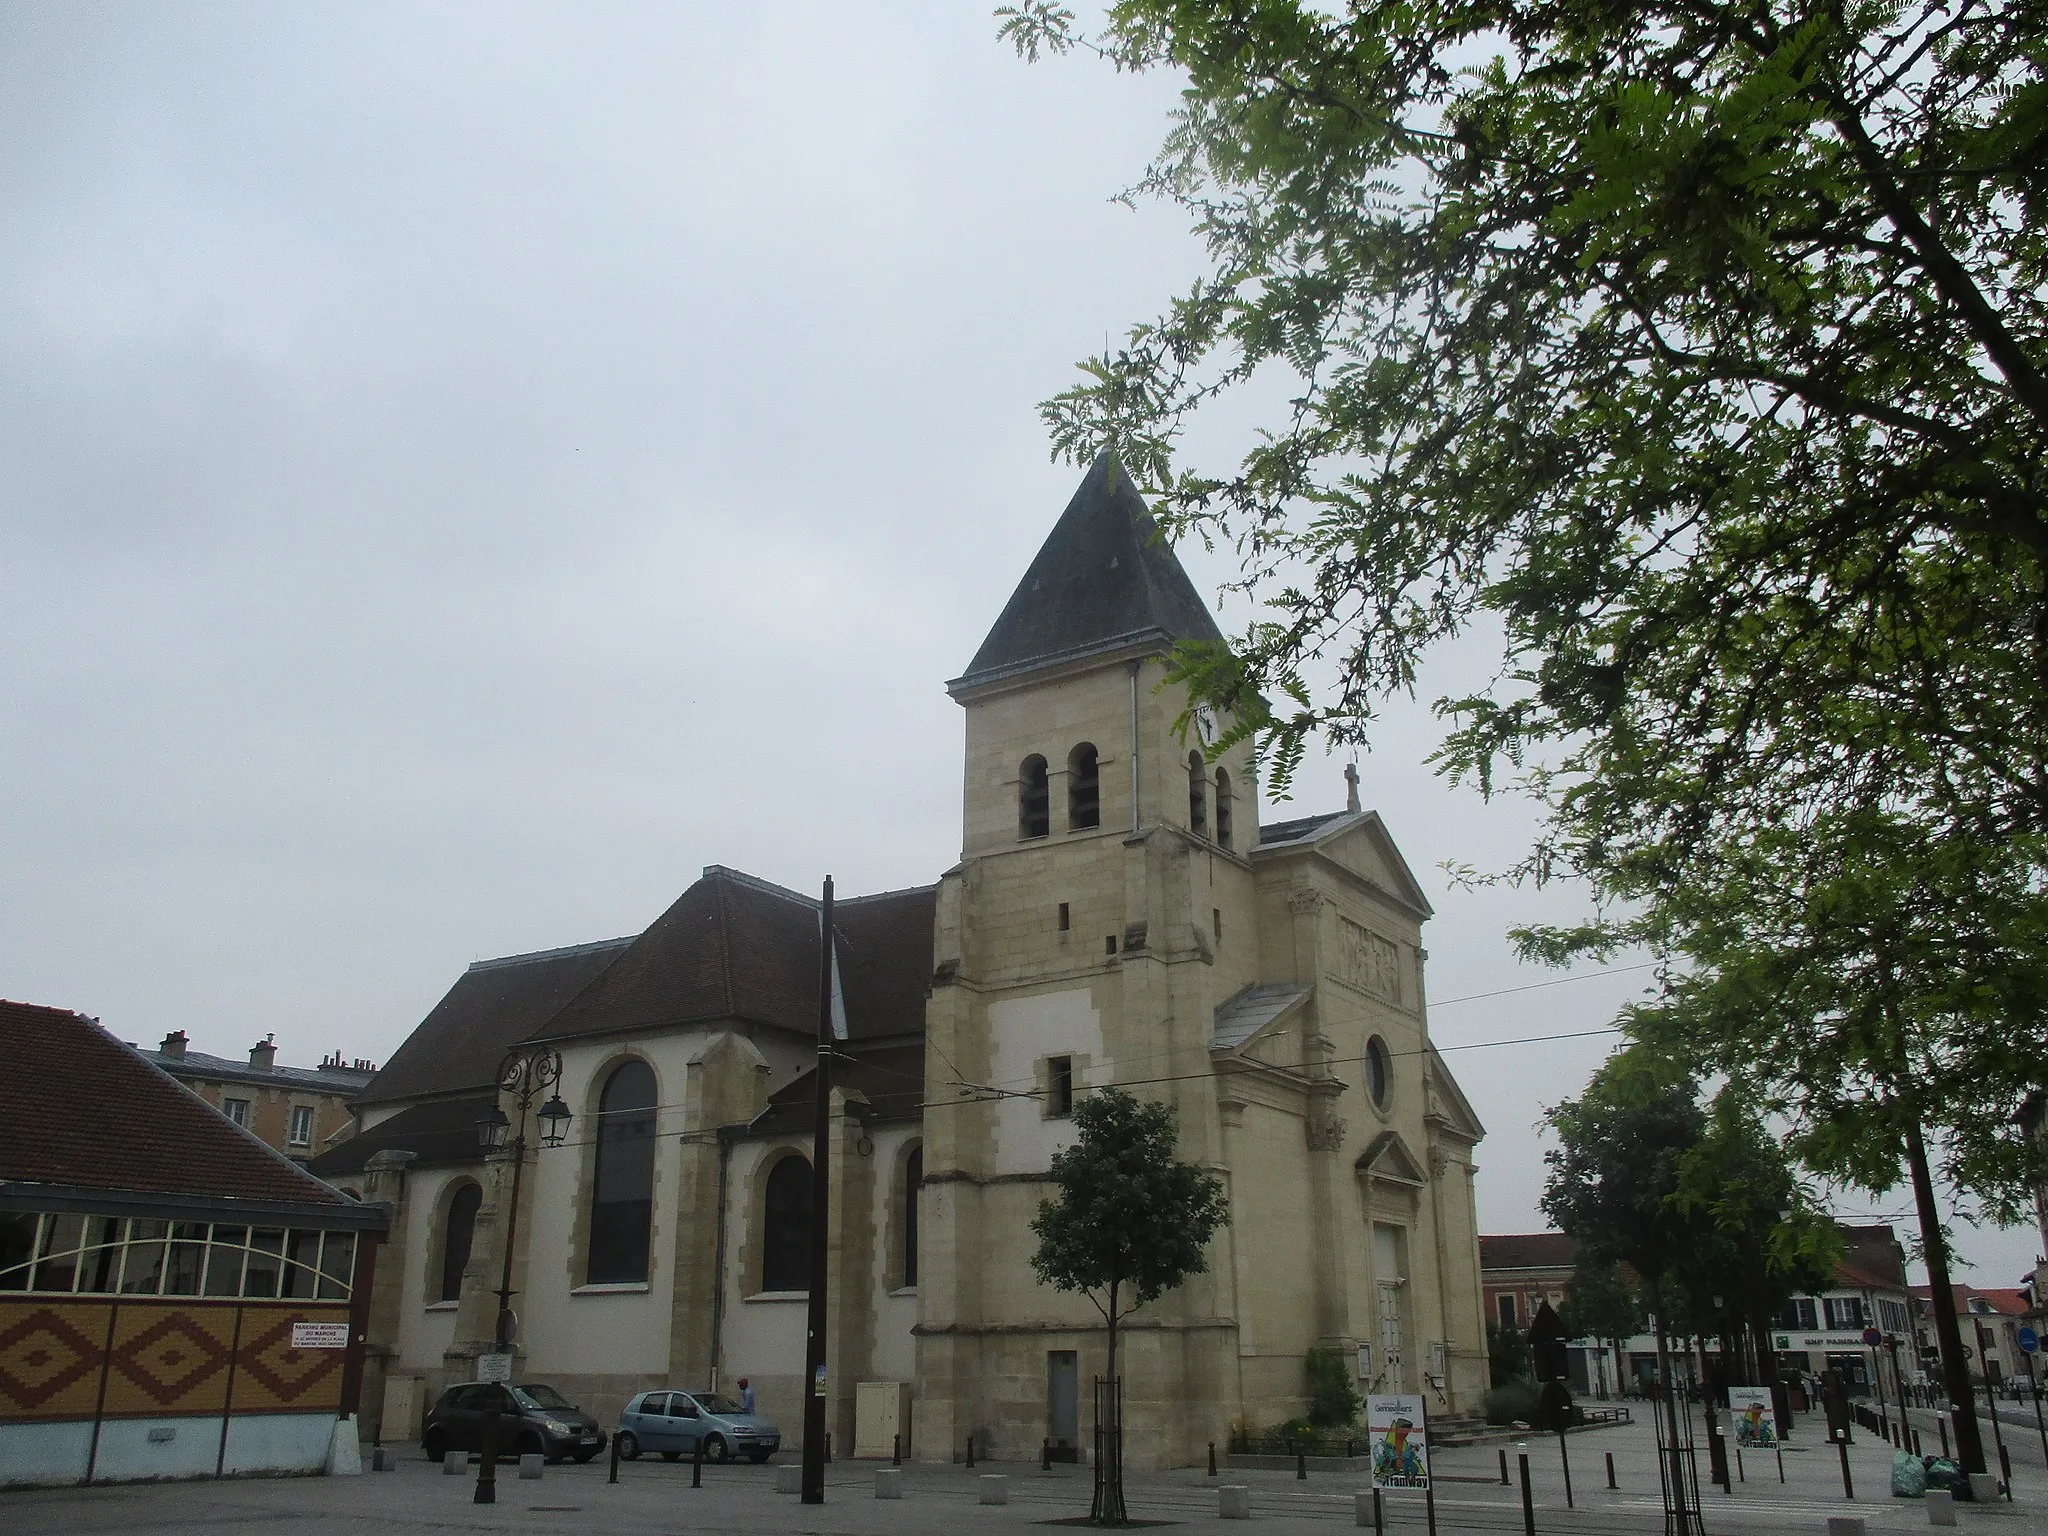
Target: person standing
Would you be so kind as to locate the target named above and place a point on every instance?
(746, 1396)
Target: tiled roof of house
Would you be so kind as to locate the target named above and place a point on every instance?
(492, 1006)
(2009, 1303)
(1104, 580)
(82, 1110)
(440, 1133)
(1853, 1277)
(1527, 1250)
(736, 947)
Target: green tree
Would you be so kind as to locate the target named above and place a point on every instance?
(1333, 1401)
(1507, 1354)
(1602, 1304)
(1127, 1222)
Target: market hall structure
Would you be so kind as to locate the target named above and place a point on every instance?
(1118, 916)
(177, 1299)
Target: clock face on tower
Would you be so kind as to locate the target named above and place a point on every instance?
(1205, 724)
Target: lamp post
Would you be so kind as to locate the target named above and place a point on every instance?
(525, 1075)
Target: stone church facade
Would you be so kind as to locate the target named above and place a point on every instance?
(1118, 915)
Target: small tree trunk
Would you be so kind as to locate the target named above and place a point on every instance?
(1955, 1370)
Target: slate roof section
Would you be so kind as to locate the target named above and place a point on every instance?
(492, 1007)
(737, 947)
(440, 1133)
(889, 1077)
(1104, 580)
(197, 1065)
(1527, 1250)
(1249, 1011)
(84, 1111)
(1301, 829)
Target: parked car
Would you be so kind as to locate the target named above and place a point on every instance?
(532, 1417)
(672, 1422)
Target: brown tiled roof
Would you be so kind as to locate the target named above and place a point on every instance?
(441, 1133)
(1875, 1250)
(82, 1110)
(734, 947)
(1853, 1277)
(492, 1006)
(1527, 1250)
(2009, 1303)
(889, 1077)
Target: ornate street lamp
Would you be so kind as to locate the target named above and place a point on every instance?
(525, 1076)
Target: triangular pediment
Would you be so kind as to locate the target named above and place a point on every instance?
(1357, 842)
(1447, 1102)
(1388, 1157)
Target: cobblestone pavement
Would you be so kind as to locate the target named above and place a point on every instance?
(653, 1498)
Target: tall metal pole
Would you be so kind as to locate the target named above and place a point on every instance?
(511, 1235)
(821, 1188)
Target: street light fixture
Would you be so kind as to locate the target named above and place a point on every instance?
(525, 1076)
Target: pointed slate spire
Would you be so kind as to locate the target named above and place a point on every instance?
(1104, 580)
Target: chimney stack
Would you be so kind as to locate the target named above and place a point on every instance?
(264, 1053)
(174, 1043)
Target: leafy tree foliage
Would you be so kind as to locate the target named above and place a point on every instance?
(1602, 1304)
(1333, 1401)
(1127, 1220)
(1507, 1354)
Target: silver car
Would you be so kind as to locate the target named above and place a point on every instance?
(672, 1423)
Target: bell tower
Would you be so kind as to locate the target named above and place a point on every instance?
(1103, 908)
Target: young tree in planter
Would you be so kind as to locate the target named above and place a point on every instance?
(1603, 1305)
(1128, 1222)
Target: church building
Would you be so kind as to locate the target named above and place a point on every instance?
(1118, 916)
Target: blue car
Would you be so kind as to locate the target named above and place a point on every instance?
(673, 1422)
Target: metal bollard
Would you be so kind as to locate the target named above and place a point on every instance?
(2005, 1467)
(1212, 1456)
(615, 1443)
(1503, 1466)
(1528, 1504)
(828, 1446)
(895, 1449)
(1565, 1456)
(1848, 1486)
(970, 1446)
(1379, 1515)
(1610, 1471)
(1300, 1459)
(697, 1464)
(487, 1471)
(1045, 1454)
(1942, 1425)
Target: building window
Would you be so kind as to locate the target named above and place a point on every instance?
(142, 1256)
(1084, 789)
(1809, 1317)
(1109, 943)
(1845, 1312)
(236, 1110)
(1506, 1302)
(1034, 799)
(1223, 823)
(1379, 1070)
(786, 1226)
(1216, 922)
(622, 1186)
(1059, 1087)
(1066, 918)
(913, 1180)
(1198, 796)
(302, 1125)
(456, 1238)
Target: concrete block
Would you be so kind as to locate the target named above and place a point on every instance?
(1845, 1525)
(383, 1459)
(1361, 1508)
(888, 1482)
(531, 1462)
(1234, 1501)
(789, 1477)
(1983, 1487)
(995, 1489)
(1941, 1507)
(344, 1450)
(453, 1465)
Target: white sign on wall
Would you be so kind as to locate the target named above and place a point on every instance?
(319, 1335)
(1365, 1362)
(493, 1367)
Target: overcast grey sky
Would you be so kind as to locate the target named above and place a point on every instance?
(464, 468)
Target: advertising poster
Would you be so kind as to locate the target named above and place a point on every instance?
(1398, 1431)
(1756, 1426)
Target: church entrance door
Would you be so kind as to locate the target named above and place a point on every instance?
(1063, 1402)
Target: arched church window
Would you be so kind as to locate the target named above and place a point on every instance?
(1034, 799)
(622, 1187)
(1198, 795)
(1084, 789)
(913, 1177)
(1223, 807)
(786, 1226)
(457, 1233)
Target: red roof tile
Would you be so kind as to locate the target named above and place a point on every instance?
(1527, 1250)
(83, 1110)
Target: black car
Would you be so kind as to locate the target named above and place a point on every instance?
(531, 1417)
